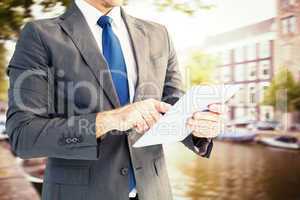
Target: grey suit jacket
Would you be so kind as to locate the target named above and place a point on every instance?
(59, 81)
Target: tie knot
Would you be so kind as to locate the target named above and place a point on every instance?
(104, 21)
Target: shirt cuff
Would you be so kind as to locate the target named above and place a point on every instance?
(203, 146)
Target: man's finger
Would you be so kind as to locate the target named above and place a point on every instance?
(149, 119)
(162, 107)
(202, 123)
(209, 116)
(141, 126)
(216, 108)
(205, 134)
(156, 115)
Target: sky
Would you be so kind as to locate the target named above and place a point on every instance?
(189, 31)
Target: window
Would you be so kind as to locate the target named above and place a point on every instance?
(263, 89)
(267, 116)
(239, 54)
(265, 69)
(265, 49)
(293, 25)
(252, 94)
(251, 52)
(267, 113)
(240, 96)
(239, 73)
(239, 113)
(285, 26)
(252, 98)
(226, 57)
(251, 71)
(286, 3)
(289, 25)
(226, 74)
(251, 113)
(217, 75)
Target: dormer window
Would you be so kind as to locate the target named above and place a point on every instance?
(289, 25)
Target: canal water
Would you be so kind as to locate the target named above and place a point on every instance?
(234, 172)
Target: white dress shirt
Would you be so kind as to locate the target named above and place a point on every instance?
(91, 15)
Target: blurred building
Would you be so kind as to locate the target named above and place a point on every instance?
(287, 46)
(251, 55)
(246, 58)
(288, 36)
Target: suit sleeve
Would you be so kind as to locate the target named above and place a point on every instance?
(33, 132)
(173, 90)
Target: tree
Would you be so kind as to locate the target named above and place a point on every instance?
(296, 97)
(187, 7)
(283, 90)
(3, 80)
(201, 68)
(14, 13)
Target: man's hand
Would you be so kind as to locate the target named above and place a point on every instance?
(140, 115)
(206, 124)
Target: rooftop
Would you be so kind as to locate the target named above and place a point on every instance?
(242, 33)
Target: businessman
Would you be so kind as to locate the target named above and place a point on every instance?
(83, 88)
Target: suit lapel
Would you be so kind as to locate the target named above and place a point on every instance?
(74, 24)
(139, 41)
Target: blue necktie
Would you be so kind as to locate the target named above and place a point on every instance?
(113, 54)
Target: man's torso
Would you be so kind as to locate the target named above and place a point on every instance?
(79, 83)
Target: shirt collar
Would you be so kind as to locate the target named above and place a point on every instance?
(92, 14)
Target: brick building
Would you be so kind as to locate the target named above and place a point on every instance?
(287, 46)
(251, 55)
(246, 58)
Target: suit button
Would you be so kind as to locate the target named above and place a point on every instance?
(124, 171)
(75, 140)
(68, 140)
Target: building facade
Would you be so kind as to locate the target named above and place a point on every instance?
(251, 55)
(287, 46)
(246, 58)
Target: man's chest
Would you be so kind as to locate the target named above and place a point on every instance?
(81, 75)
